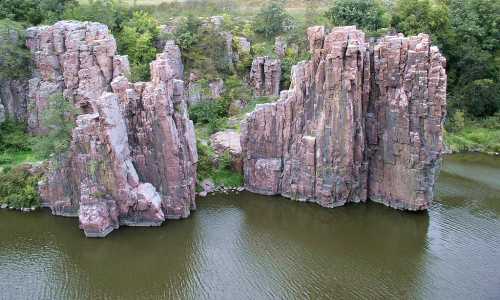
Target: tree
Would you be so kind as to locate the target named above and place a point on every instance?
(272, 20)
(14, 57)
(109, 12)
(34, 11)
(412, 17)
(474, 56)
(366, 14)
(137, 39)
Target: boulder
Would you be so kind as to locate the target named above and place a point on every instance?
(228, 141)
(360, 122)
(265, 76)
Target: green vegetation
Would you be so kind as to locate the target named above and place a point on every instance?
(137, 39)
(18, 187)
(59, 120)
(14, 57)
(34, 11)
(478, 135)
(217, 168)
(369, 15)
(15, 146)
(272, 20)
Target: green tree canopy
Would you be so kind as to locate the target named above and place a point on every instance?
(272, 19)
(367, 14)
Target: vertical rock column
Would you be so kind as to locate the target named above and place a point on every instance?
(405, 121)
(359, 122)
(132, 159)
(309, 145)
(265, 76)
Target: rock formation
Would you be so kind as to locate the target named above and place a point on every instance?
(132, 159)
(13, 100)
(265, 76)
(359, 122)
(228, 141)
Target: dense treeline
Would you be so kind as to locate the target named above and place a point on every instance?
(467, 31)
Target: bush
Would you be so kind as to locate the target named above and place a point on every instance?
(34, 11)
(18, 187)
(272, 19)
(109, 12)
(59, 120)
(366, 14)
(137, 40)
(14, 57)
(222, 174)
(13, 137)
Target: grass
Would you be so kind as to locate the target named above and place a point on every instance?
(12, 159)
(477, 136)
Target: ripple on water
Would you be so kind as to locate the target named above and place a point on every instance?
(255, 247)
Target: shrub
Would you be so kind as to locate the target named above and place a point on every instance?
(18, 187)
(109, 12)
(14, 57)
(367, 14)
(137, 40)
(59, 120)
(34, 11)
(13, 137)
(272, 19)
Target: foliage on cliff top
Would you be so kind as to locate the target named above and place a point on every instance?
(14, 56)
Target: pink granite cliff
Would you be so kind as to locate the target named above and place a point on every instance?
(132, 159)
(359, 122)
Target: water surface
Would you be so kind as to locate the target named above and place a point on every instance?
(248, 246)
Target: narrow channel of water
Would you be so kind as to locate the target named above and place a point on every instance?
(248, 246)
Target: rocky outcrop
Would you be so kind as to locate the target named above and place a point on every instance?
(132, 159)
(280, 46)
(265, 76)
(359, 122)
(78, 59)
(13, 99)
(172, 53)
(216, 88)
(228, 141)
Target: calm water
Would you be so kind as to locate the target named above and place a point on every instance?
(254, 247)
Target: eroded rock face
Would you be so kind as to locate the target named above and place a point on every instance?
(358, 123)
(132, 159)
(265, 76)
(13, 99)
(228, 141)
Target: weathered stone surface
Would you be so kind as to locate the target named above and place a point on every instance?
(216, 87)
(358, 123)
(78, 59)
(280, 46)
(132, 159)
(404, 121)
(228, 141)
(172, 53)
(265, 76)
(13, 99)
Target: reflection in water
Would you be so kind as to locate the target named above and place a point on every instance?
(253, 247)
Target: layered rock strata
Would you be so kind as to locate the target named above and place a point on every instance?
(265, 76)
(132, 159)
(359, 122)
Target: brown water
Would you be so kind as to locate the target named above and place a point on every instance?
(255, 247)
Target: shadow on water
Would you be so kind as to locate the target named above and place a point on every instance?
(248, 246)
